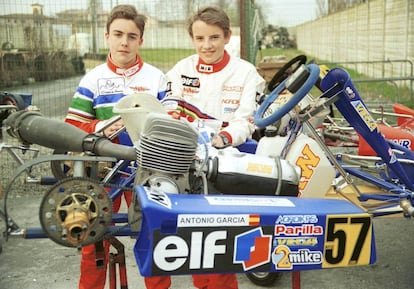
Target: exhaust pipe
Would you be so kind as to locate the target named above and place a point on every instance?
(31, 127)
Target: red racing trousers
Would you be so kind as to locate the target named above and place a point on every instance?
(92, 276)
(201, 281)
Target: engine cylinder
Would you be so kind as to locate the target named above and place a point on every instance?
(166, 145)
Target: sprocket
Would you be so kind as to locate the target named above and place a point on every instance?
(76, 212)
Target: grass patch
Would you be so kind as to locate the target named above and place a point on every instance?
(164, 59)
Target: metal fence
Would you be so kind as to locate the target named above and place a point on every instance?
(46, 42)
(385, 81)
(375, 38)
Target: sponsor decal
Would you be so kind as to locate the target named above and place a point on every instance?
(252, 249)
(283, 98)
(249, 201)
(297, 219)
(168, 86)
(284, 258)
(236, 88)
(173, 252)
(307, 161)
(296, 242)
(364, 114)
(189, 90)
(303, 230)
(158, 197)
(403, 142)
(229, 109)
(231, 101)
(190, 81)
(205, 68)
(110, 85)
(259, 168)
(131, 71)
(350, 92)
(217, 220)
(139, 88)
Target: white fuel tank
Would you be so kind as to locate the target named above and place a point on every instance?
(317, 171)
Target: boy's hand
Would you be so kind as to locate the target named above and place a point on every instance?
(113, 128)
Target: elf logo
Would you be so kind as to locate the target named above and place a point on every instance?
(174, 252)
(190, 81)
(252, 249)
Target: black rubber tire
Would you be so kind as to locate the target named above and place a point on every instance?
(10, 99)
(59, 169)
(264, 279)
(13, 99)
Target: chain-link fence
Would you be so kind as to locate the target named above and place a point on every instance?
(61, 40)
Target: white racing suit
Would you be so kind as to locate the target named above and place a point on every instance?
(225, 91)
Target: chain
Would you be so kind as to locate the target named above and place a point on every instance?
(116, 186)
(114, 232)
(108, 235)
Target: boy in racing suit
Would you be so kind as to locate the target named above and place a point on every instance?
(99, 90)
(213, 85)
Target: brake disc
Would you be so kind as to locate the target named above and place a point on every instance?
(76, 212)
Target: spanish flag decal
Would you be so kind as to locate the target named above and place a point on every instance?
(254, 220)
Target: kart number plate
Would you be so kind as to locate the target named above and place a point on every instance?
(348, 240)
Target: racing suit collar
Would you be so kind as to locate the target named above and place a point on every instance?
(128, 72)
(203, 67)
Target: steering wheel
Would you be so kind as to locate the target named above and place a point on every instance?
(288, 104)
(289, 68)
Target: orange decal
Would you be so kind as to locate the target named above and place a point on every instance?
(307, 161)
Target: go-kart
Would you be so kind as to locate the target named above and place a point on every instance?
(201, 210)
(338, 133)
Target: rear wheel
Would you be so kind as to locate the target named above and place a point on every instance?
(10, 99)
(265, 279)
(13, 99)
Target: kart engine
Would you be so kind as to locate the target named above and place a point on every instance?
(165, 152)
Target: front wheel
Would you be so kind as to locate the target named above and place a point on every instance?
(265, 279)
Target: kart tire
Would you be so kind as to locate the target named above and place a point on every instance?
(59, 169)
(10, 99)
(264, 279)
(14, 99)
